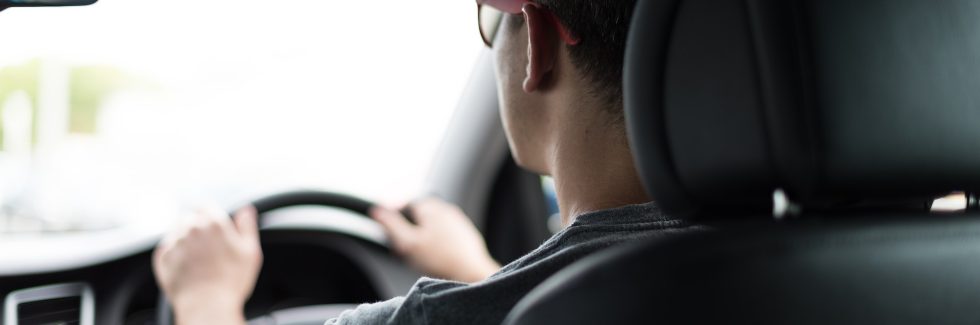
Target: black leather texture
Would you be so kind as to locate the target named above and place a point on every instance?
(882, 270)
(833, 101)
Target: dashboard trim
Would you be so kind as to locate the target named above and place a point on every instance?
(55, 291)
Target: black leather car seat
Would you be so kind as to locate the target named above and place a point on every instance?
(811, 137)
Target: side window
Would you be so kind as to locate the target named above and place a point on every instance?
(517, 213)
(954, 202)
(551, 201)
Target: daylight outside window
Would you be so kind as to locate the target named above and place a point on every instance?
(125, 112)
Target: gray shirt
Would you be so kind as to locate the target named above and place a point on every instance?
(434, 301)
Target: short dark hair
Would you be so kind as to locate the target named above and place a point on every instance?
(602, 26)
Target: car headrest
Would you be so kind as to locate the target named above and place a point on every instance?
(829, 101)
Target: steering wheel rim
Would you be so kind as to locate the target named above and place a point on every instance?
(318, 198)
(284, 200)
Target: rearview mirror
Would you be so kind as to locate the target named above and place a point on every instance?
(44, 3)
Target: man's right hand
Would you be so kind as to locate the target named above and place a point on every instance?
(443, 243)
(207, 269)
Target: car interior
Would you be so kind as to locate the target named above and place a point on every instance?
(807, 139)
(322, 254)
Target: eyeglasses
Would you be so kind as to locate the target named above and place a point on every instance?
(491, 12)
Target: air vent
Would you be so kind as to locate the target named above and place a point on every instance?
(70, 303)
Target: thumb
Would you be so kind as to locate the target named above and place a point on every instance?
(400, 231)
(246, 220)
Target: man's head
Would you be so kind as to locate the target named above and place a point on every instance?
(559, 70)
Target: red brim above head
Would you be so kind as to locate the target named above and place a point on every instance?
(508, 6)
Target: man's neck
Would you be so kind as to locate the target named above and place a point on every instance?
(593, 170)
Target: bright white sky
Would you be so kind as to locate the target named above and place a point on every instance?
(260, 96)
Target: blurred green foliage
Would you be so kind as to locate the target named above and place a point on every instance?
(19, 78)
(89, 87)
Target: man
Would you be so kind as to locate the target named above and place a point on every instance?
(559, 68)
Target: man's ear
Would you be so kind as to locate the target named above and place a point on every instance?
(542, 47)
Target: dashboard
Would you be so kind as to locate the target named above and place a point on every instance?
(310, 273)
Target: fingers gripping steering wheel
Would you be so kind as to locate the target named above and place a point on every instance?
(285, 200)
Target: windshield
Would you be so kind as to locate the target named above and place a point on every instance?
(129, 110)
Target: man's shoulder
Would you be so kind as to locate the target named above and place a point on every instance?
(592, 232)
(435, 301)
(375, 313)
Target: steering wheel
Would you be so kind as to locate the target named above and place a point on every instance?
(285, 200)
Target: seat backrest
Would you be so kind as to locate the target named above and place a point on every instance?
(841, 118)
(903, 271)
